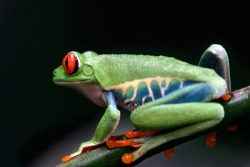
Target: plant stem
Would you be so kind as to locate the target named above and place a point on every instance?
(236, 108)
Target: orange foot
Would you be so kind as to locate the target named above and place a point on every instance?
(113, 143)
(226, 97)
(139, 134)
(68, 157)
(127, 158)
(169, 152)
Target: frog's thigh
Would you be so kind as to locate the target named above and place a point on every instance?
(167, 116)
(190, 117)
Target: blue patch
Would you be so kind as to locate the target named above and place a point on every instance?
(142, 91)
(130, 92)
(119, 94)
(173, 86)
(155, 89)
(148, 99)
(189, 83)
(163, 84)
(142, 95)
(198, 94)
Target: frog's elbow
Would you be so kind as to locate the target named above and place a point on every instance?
(220, 88)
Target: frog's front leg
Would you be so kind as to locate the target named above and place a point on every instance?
(104, 130)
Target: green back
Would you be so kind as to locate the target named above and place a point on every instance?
(111, 70)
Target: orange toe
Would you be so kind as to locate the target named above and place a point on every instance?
(127, 158)
(211, 139)
(232, 127)
(225, 97)
(113, 143)
(169, 152)
(66, 158)
(132, 134)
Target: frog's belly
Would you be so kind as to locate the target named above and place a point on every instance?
(132, 94)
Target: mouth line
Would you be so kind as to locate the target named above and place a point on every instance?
(70, 82)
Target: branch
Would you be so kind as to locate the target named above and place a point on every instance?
(237, 107)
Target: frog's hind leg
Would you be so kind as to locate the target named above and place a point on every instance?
(180, 112)
(215, 57)
(184, 118)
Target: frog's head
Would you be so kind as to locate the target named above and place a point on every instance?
(74, 70)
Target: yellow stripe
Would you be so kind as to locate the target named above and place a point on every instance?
(124, 86)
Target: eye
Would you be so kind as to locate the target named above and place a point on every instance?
(71, 63)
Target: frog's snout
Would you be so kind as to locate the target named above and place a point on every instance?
(55, 75)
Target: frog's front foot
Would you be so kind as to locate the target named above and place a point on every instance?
(136, 139)
(71, 156)
(84, 147)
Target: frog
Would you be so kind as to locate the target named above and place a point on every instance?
(160, 92)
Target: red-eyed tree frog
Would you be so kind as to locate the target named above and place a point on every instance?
(160, 92)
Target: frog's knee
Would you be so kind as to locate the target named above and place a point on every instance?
(219, 111)
(217, 49)
(141, 120)
(135, 119)
(149, 119)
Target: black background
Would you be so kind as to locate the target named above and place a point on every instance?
(36, 115)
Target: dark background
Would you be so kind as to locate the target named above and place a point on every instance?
(41, 122)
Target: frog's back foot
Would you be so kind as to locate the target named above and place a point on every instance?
(215, 57)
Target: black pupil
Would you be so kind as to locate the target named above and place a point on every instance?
(76, 68)
(66, 63)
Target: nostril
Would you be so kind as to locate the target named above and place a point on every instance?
(54, 72)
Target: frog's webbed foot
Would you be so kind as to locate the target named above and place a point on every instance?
(131, 134)
(135, 139)
(71, 156)
(139, 134)
(84, 147)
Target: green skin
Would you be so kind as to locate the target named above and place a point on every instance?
(99, 74)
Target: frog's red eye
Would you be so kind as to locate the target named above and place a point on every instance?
(70, 63)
